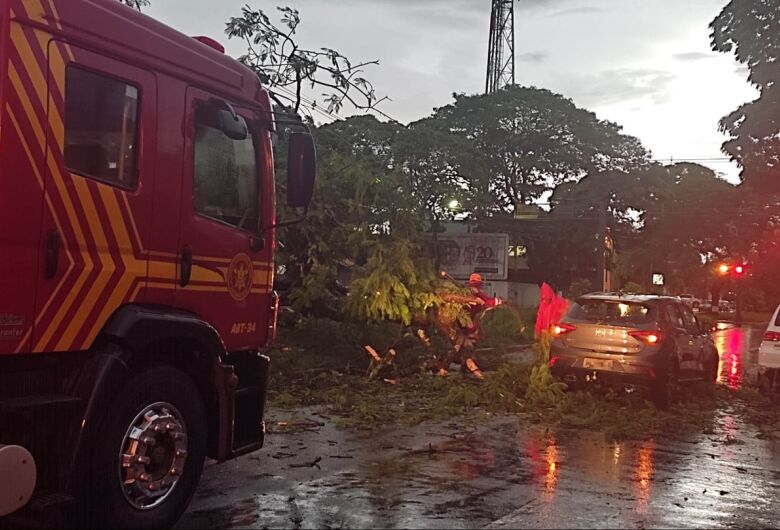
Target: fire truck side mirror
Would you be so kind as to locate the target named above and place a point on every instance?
(232, 125)
(227, 120)
(301, 169)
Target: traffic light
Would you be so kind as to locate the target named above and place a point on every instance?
(724, 269)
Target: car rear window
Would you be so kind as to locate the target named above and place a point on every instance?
(615, 312)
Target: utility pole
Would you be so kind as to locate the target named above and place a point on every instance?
(601, 253)
(501, 47)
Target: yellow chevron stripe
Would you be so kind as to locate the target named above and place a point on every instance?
(16, 81)
(34, 10)
(57, 222)
(58, 25)
(107, 270)
(37, 77)
(135, 268)
(38, 133)
(162, 270)
(32, 68)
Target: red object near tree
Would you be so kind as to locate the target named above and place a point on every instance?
(551, 309)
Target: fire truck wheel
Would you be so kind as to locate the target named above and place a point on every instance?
(148, 454)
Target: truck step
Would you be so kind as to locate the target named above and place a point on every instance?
(47, 500)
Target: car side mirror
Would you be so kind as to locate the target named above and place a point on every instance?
(301, 169)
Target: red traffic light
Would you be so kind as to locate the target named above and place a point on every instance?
(739, 269)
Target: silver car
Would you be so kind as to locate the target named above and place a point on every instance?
(629, 340)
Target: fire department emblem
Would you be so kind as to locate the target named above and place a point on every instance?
(239, 277)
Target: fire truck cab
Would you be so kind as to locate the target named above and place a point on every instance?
(137, 211)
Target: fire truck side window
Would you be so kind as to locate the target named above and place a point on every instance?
(226, 186)
(101, 127)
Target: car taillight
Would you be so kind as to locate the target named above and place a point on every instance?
(772, 336)
(648, 337)
(562, 329)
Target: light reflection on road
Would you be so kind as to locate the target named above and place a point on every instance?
(643, 475)
(735, 345)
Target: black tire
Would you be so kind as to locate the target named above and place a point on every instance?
(105, 504)
(665, 390)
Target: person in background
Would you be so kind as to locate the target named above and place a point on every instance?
(467, 337)
(475, 285)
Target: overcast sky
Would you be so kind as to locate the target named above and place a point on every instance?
(645, 64)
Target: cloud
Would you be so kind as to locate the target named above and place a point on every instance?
(531, 4)
(692, 56)
(532, 57)
(449, 5)
(621, 85)
(587, 10)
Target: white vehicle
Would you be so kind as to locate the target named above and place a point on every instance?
(769, 356)
(691, 301)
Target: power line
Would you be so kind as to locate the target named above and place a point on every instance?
(312, 105)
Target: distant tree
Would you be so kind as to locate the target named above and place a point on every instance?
(136, 4)
(689, 221)
(526, 141)
(579, 288)
(286, 67)
(633, 287)
(751, 30)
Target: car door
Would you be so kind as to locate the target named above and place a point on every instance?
(684, 341)
(699, 339)
(225, 269)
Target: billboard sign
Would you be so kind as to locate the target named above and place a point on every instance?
(462, 254)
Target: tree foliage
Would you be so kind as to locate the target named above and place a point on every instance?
(394, 285)
(691, 220)
(383, 183)
(751, 30)
(526, 141)
(286, 67)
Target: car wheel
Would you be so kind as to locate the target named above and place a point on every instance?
(148, 454)
(665, 389)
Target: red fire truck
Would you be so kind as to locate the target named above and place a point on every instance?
(136, 260)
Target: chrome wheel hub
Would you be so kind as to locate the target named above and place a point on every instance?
(152, 457)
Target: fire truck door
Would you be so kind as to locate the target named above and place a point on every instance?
(22, 148)
(98, 180)
(225, 262)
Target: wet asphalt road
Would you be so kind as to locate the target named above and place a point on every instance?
(502, 473)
